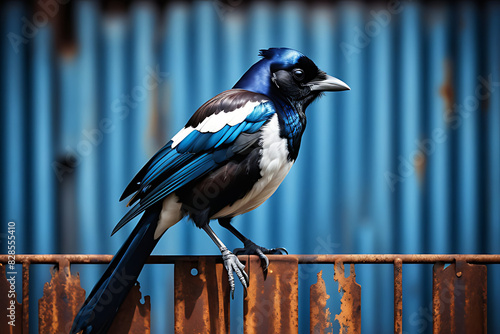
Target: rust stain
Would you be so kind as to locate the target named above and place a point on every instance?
(319, 313)
(350, 309)
(61, 300)
(398, 296)
(484, 103)
(447, 90)
(133, 317)
(155, 136)
(271, 303)
(420, 163)
(6, 307)
(202, 299)
(459, 295)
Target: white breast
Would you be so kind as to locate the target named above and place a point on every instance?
(274, 166)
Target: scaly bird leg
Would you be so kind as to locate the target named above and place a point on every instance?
(231, 262)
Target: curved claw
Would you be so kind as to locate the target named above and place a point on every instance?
(263, 258)
(253, 249)
(281, 250)
(231, 263)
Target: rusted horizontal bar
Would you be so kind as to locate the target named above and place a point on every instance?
(390, 258)
(303, 258)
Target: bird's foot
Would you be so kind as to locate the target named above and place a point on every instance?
(231, 263)
(250, 248)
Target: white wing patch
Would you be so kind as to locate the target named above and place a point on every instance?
(274, 166)
(216, 122)
(181, 135)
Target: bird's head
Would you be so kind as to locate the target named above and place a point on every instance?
(288, 74)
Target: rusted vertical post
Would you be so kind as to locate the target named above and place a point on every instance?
(61, 300)
(271, 303)
(133, 317)
(201, 297)
(436, 300)
(398, 296)
(319, 314)
(459, 298)
(350, 315)
(26, 296)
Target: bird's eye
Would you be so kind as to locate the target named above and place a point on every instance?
(298, 74)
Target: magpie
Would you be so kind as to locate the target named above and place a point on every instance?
(230, 157)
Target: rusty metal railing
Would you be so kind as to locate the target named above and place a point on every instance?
(202, 301)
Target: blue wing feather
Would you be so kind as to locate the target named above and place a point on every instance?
(196, 155)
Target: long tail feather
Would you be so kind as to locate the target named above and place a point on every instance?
(101, 306)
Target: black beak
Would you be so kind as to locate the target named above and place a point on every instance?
(328, 84)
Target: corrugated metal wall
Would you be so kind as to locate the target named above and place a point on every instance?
(408, 161)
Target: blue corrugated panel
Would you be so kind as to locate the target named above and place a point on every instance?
(409, 191)
(407, 161)
(467, 110)
(379, 112)
(114, 76)
(43, 182)
(86, 172)
(14, 80)
(436, 139)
